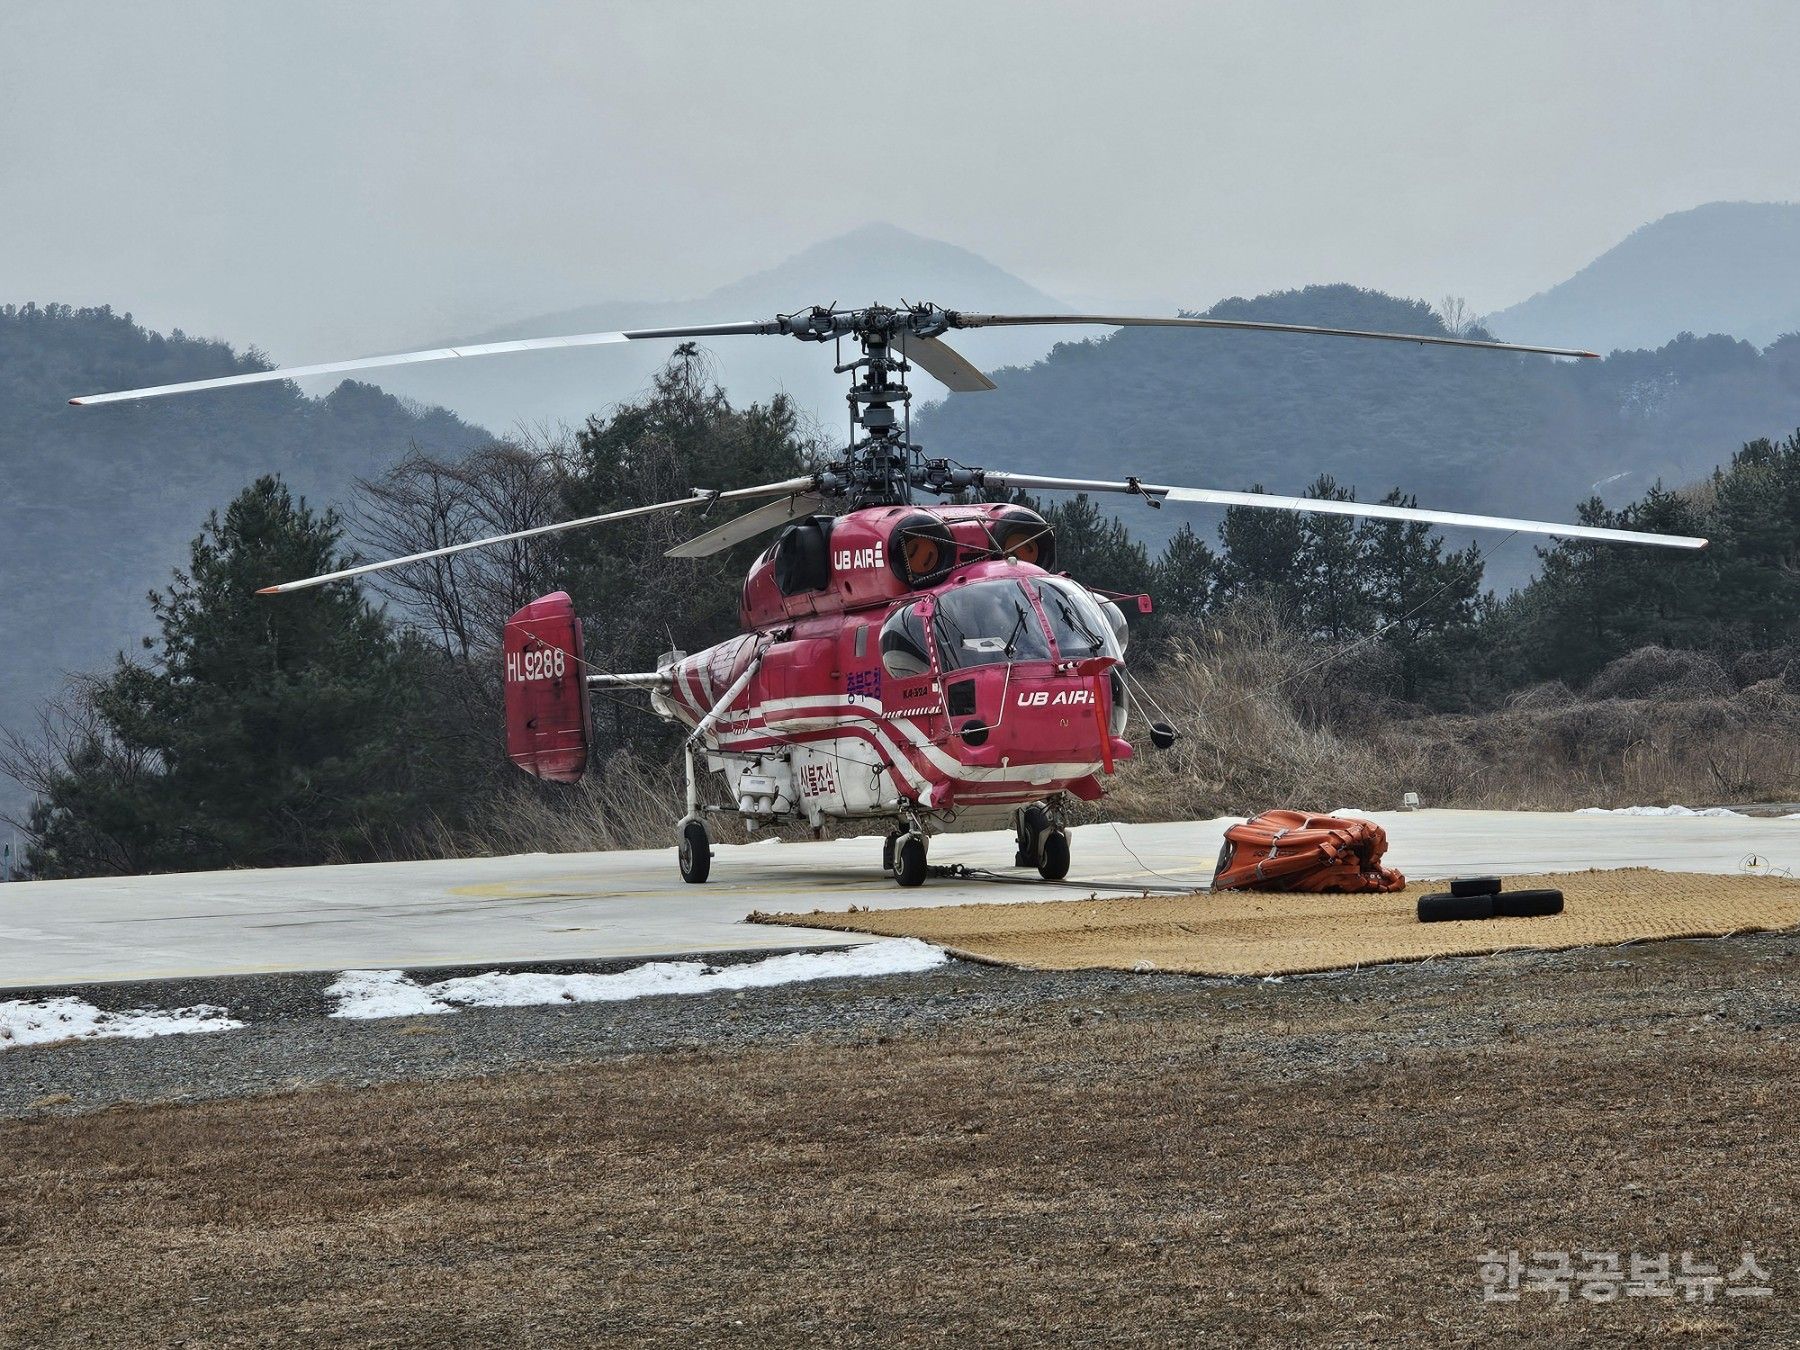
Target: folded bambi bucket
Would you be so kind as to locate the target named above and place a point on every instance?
(1293, 851)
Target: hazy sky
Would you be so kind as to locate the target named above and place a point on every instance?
(325, 179)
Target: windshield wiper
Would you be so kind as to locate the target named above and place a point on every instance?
(1095, 641)
(1018, 627)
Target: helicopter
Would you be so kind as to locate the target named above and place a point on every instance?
(900, 662)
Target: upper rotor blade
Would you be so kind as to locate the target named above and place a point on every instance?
(701, 497)
(433, 354)
(1326, 506)
(943, 363)
(747, 526)
(958, 320)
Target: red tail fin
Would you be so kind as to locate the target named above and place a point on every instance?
(547, 721)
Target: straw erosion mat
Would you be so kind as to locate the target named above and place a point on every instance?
(1268, 933)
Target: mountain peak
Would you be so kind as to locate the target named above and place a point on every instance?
(1721, 267)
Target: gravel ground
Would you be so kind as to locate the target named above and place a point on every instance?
(291, 1043)
(973, 1154)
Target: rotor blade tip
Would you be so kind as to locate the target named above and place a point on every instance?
(269, 590)
(1589, 356)
(77, 402)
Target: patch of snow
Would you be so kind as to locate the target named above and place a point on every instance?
(1658, 811)
(381, 993)
(1349, 811)
(391, 993)
(46, 1020)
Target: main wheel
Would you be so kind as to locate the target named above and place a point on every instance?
(1032, 824)
(1053, 865)
(695, 852)
(909, 860)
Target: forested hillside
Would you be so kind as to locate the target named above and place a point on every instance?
(1481, 431)
(99, 502)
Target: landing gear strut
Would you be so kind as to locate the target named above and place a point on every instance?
(694, 847)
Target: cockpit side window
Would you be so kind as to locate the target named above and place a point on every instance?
(903, 650)
(985, 623)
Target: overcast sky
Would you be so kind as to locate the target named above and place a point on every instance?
(325, 179)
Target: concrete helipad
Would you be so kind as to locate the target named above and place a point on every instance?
(561, 907)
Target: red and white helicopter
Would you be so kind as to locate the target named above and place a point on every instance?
(899, 662)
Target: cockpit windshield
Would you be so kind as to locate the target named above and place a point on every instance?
(986, 622)
(1083, 625)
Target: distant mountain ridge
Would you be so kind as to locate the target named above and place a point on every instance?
(1463, 430)
(100, 503)
(876, 262)
(1726, 267)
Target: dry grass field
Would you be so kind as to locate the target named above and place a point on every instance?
(1319, 1161)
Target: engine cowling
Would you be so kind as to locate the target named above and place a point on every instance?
(547, 718)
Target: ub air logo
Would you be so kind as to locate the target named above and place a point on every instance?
(1042, 698)
(847, 559)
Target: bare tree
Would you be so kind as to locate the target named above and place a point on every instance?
(1454, 311)
(425, 503)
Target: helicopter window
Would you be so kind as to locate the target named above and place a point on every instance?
(903, 644)
(1081, 622)
(987, 622)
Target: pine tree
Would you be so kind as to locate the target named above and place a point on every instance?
(1261, 561)
(1422, 599)
(1332, 566)
(1097, 549)
(264, 731)
(683, 434)
(1184, 576)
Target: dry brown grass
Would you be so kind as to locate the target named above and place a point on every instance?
(1258, 729)
(1271, 720)
(622, 803)
(1171, 1176)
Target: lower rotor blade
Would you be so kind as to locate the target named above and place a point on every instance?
(747, 526)
(1317, 506)
(959, 320)
(943, 363)
(701, 497)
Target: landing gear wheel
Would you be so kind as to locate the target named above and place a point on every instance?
(887, 850)
(695, 852)
(1053, 864)
(1033, 822)
(909, 860)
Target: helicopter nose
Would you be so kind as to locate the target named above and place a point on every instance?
(1040, 714)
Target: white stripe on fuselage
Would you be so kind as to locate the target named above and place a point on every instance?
(882, 728)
